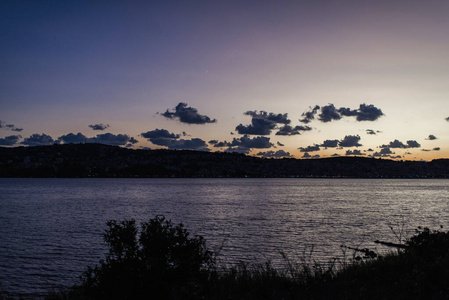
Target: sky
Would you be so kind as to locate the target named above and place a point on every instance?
(302, 79)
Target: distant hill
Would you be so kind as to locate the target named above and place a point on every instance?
(97, 160)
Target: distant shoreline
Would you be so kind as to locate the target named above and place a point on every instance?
(102, 161)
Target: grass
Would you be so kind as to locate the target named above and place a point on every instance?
(166, 262)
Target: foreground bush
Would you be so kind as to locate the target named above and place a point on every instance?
(166, 263)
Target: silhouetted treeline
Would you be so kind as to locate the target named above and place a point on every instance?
(97, 160)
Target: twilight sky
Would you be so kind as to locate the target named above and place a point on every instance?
(269, 78)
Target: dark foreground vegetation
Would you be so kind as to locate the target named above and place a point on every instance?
(96, 160)
(165, 262)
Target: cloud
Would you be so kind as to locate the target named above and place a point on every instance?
(262, 123)
(133, 141)
(38, 140)
(277, 154)
(330, 143)
(386, 151)
(99, 126)
(329, 113)
(159, 133)
(413, 144)
(256, 142)
(309, 115)
(306, 155)
(368, 113)
(350, 141)
(370, 131)
(275, 118)
(280, 144)
(242, 150)
(363, 113)
(355, 152)
(436, 149)
(10, 127)
(310, 148)
(257, 127)
(289, 130)
(106, 138)
(213, 142)
(163, 137)
(111, 139)
(9, 140)
(431, 137)
(447, 119)
(399, 144)
(246, 142)
(188, 115)
(73, 138)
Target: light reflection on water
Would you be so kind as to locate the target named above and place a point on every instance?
(51, 229)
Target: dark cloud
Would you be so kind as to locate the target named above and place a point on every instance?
(370, 150)
(386, 151)
(330, 143)
(242, 150)
(256, 142)
(10, 127)
(272, 117)
(257, 127)
(368, 113)
(159, 133)
(111, 139)
(350, 141)
(10, 140)
(363, 113)
(329, 113)
(38, 140)
(188, 115)
(163, 137)
(399, 144)
(306, 155)
(106, 138)
(213, 142)
(246, 142)
(309, 115)
(355, 152)
(447, 119)
(277, 154)
(310, 148)
(436, 149)
(192, 144)
(280, 144)
(72, 138)
(431, 137)
(262, 123)
(316, 156)
(370, 131)
(426, 150)
(289, 130)
(133, 141)
(99, 126)
(413, 144)
(394, 144)
(335, 155)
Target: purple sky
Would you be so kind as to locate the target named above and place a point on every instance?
(119, 72)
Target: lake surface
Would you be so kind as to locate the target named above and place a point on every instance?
(52, 229)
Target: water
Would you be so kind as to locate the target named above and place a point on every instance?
(51, 229)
